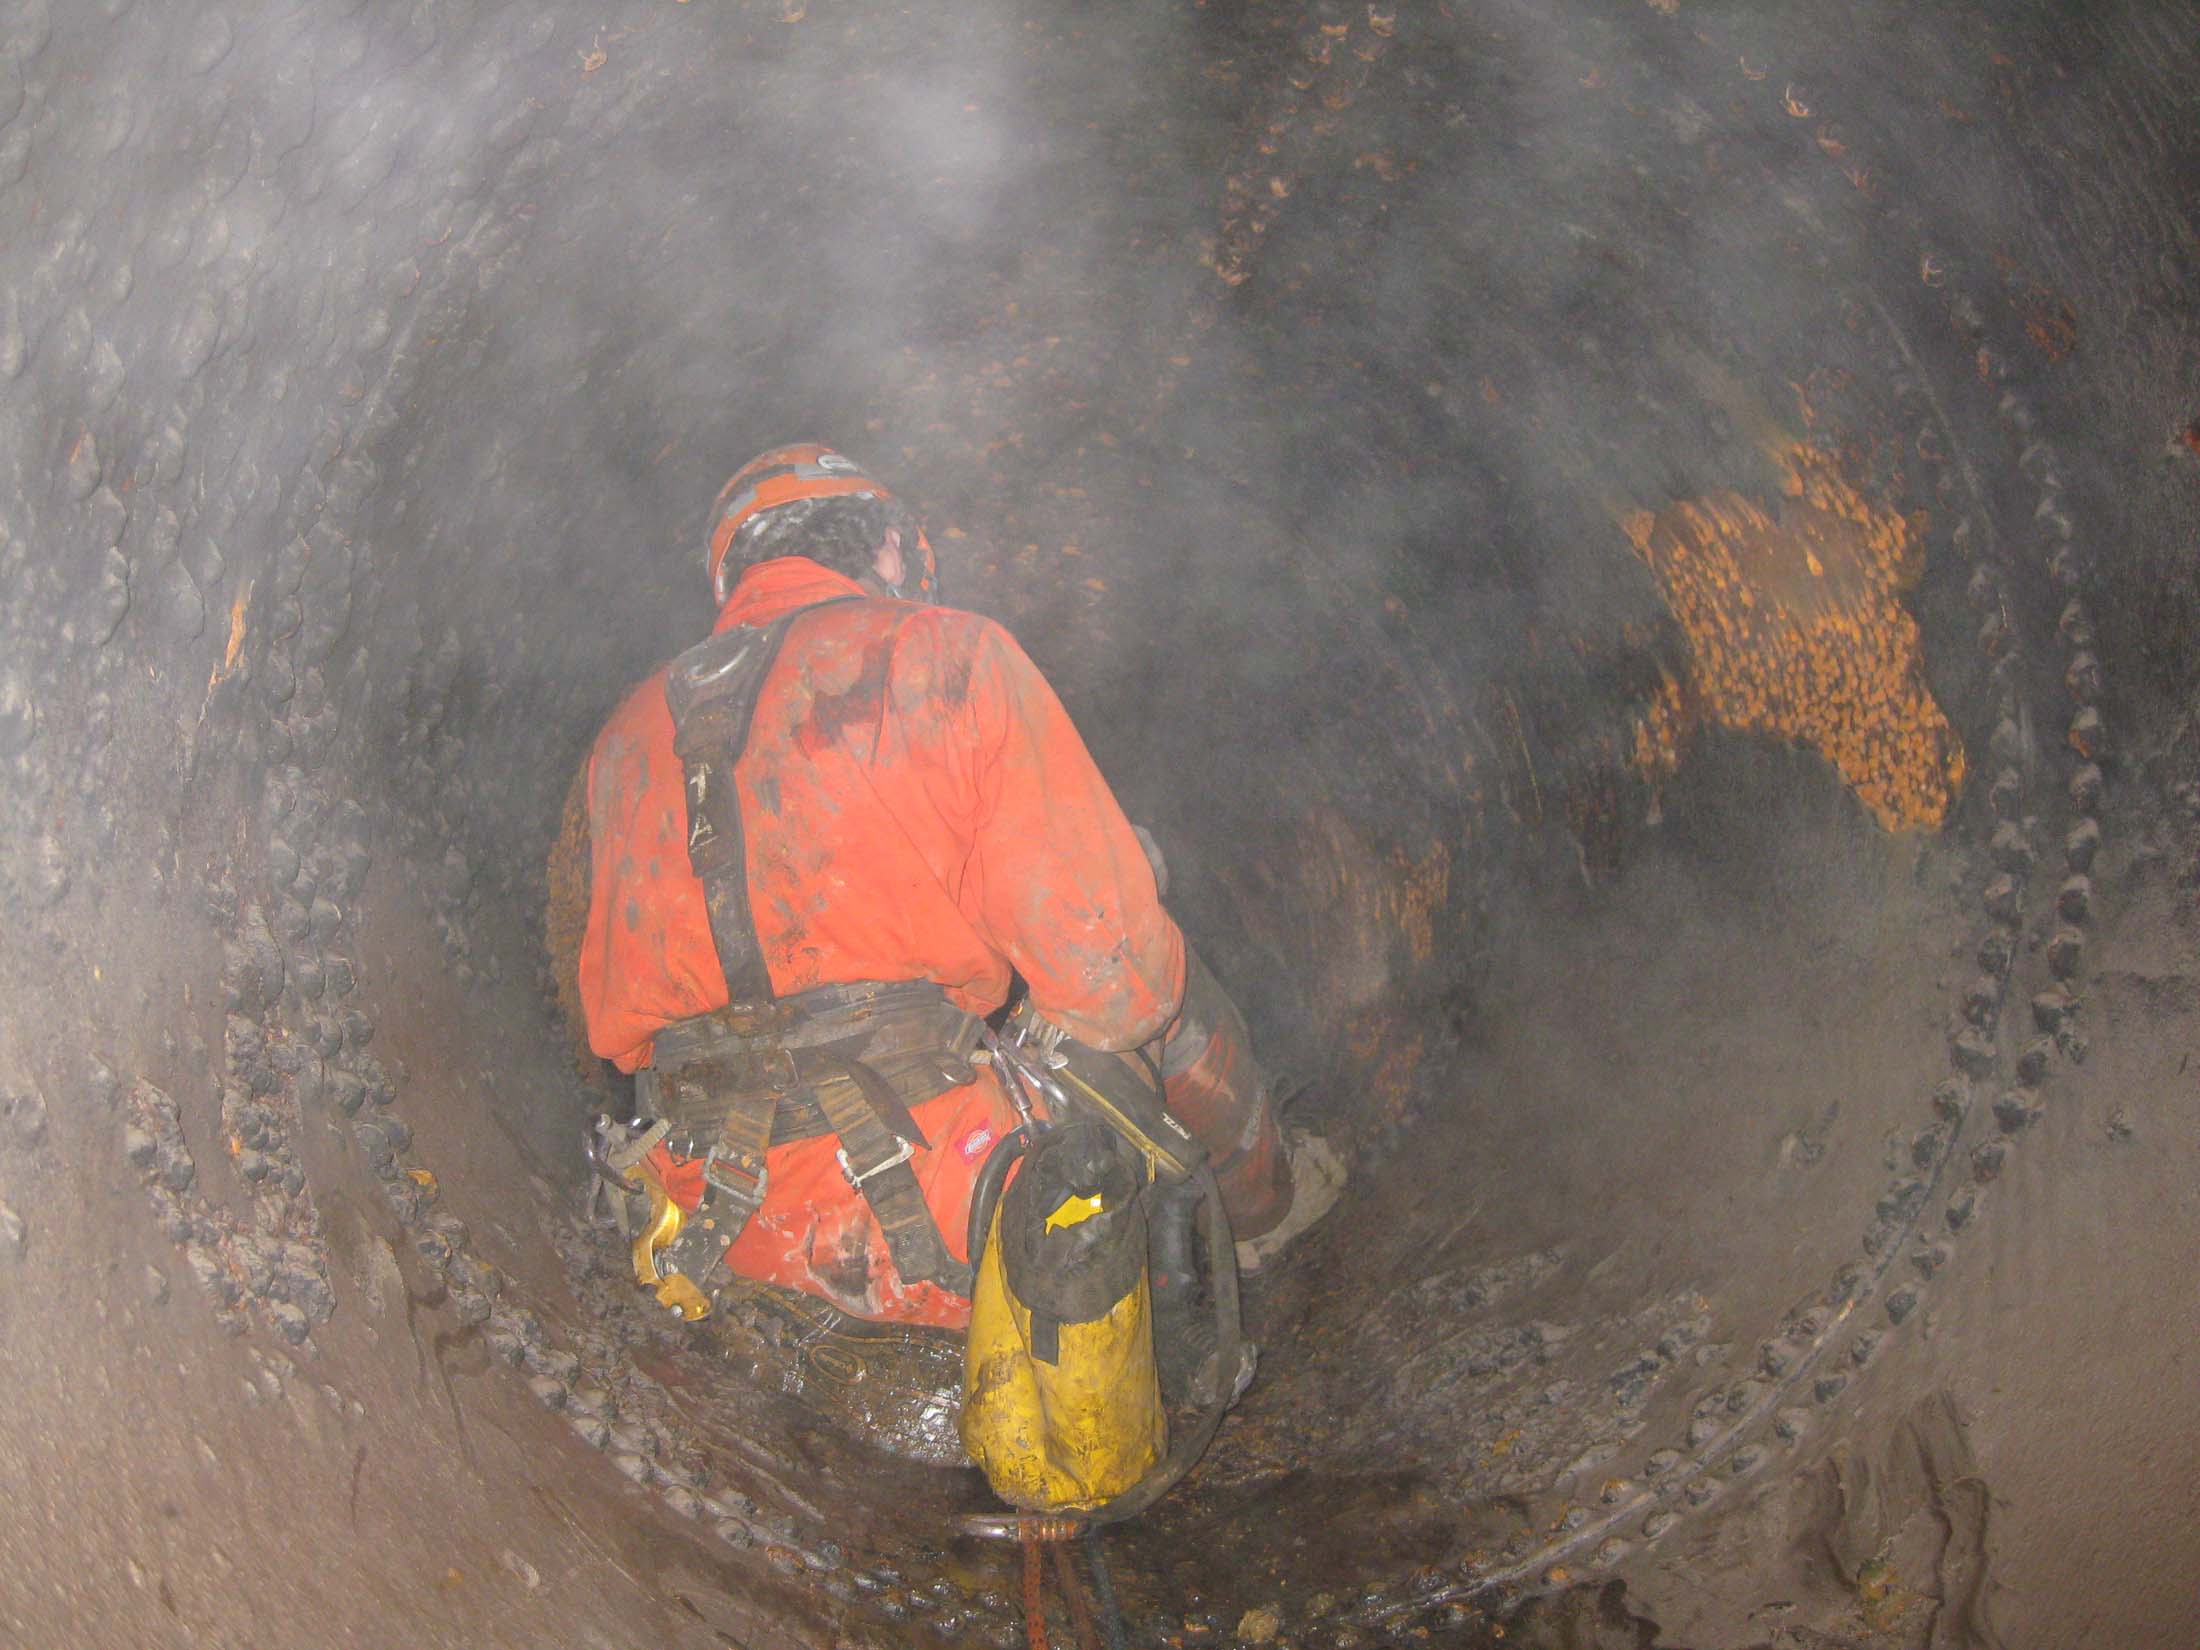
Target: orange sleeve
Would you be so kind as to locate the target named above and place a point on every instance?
(646, 956)
(1056, 878)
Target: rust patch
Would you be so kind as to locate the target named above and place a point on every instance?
(235, 645)
(1417, 897)
(1398, 896)
(2050, 324)
(1386, 1057)
(1796, 631)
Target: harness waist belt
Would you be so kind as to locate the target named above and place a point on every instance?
(848, 1061)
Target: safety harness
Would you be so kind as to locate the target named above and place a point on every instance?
(846, 1060)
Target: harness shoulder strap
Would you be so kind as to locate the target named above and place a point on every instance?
(712, 690)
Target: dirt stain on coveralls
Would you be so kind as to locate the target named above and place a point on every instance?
(955, 680)
(863, 700)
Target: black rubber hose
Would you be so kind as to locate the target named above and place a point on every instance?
(1223, 1279)
(1103, 1593)
(985, 1196)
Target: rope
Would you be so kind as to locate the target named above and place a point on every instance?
(1035, 1604)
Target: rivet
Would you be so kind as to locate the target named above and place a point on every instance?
(2086, 786)
(2088, 736)
(2074, 900)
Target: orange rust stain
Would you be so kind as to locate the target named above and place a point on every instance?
(1376, 915)
(1386, 1057)
(1390, 1084)
(235, 645)
(2049, 323)
(1796, 631)
(1416, 898)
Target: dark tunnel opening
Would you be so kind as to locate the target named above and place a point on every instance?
(1638, 559)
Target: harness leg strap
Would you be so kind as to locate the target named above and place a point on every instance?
(876, 1162)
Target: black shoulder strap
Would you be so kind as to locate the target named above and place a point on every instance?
(712, 690)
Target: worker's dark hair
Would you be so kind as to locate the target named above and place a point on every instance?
(841, 533)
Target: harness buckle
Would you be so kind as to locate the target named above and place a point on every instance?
(840, 1155)
(733, 1177)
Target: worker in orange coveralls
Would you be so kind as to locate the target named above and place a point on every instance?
(914, 817)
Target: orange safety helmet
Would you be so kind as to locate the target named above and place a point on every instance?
(787, 475)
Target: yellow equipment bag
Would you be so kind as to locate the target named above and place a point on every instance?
(1061, 1400)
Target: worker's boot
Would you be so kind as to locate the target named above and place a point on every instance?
(1317, 1179)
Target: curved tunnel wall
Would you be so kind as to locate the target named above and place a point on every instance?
(1291, 383)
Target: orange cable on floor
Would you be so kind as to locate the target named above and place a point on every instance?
(1035, 1604)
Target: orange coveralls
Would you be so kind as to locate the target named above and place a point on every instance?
(916, 805)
